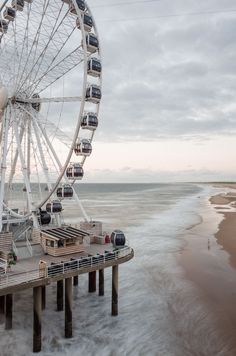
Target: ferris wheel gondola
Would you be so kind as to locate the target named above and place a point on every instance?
(9, 14)
(48, 51)
(66, 191)
(3, 26)
(18, 4)
(87, 21)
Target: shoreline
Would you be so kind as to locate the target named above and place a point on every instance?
(209, 260)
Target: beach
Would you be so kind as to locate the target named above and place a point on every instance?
(209, 261)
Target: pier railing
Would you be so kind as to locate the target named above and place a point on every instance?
(86, 262)
(56, 269)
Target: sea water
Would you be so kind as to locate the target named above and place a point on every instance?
(160, 311)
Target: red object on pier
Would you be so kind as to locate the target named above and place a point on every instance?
(107, 239)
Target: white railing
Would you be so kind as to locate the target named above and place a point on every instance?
(65, 267)
(86, 262)
(9, 280)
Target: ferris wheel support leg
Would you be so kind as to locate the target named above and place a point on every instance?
(28, 150)
(60, 167)
(4, 140)
(86, 217)
(28, 147)
(44, 165)
(25, 174)
(13, 168)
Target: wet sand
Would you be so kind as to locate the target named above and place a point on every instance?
(209, 261)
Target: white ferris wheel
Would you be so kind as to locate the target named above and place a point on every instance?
(50, 91)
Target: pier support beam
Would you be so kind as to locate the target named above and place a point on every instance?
(37, 294)
(8, 311)
(92, 282)
(101, 282)
(43, 297)
(68, 307)
(114, 299)
(2, 304)
(60, 289)
(76, 280)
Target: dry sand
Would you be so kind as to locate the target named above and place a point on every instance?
(210, 263)
(226, 235)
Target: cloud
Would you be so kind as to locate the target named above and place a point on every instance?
(172, 77)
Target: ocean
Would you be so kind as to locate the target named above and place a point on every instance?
(161, 312)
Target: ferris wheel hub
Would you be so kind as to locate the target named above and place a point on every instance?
(3, 98)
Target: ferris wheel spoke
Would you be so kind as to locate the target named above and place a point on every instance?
(6, 73)
(51, 127)
(41, 154)
(58, 70)
(25, 45)
(34, 44)
(61, 99)
(37, 123)
(59, 134)
(59, 38)
(16, 28)
(23, 167)
(52, 36)
(35, 157)
(13, 166)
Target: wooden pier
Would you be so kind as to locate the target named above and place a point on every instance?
(40, 271)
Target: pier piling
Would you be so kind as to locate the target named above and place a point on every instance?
(76, 281)
(8, 311)
(37, 294)
(43, 297)
(101, 282)
(114, 302)
(68, 307)
(2, 304)
(92, 282)
(60, 288)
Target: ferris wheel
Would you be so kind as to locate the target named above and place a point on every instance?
(50, 92)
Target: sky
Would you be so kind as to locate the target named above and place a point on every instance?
(169, 89)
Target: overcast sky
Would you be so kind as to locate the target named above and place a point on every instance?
(169, 89)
